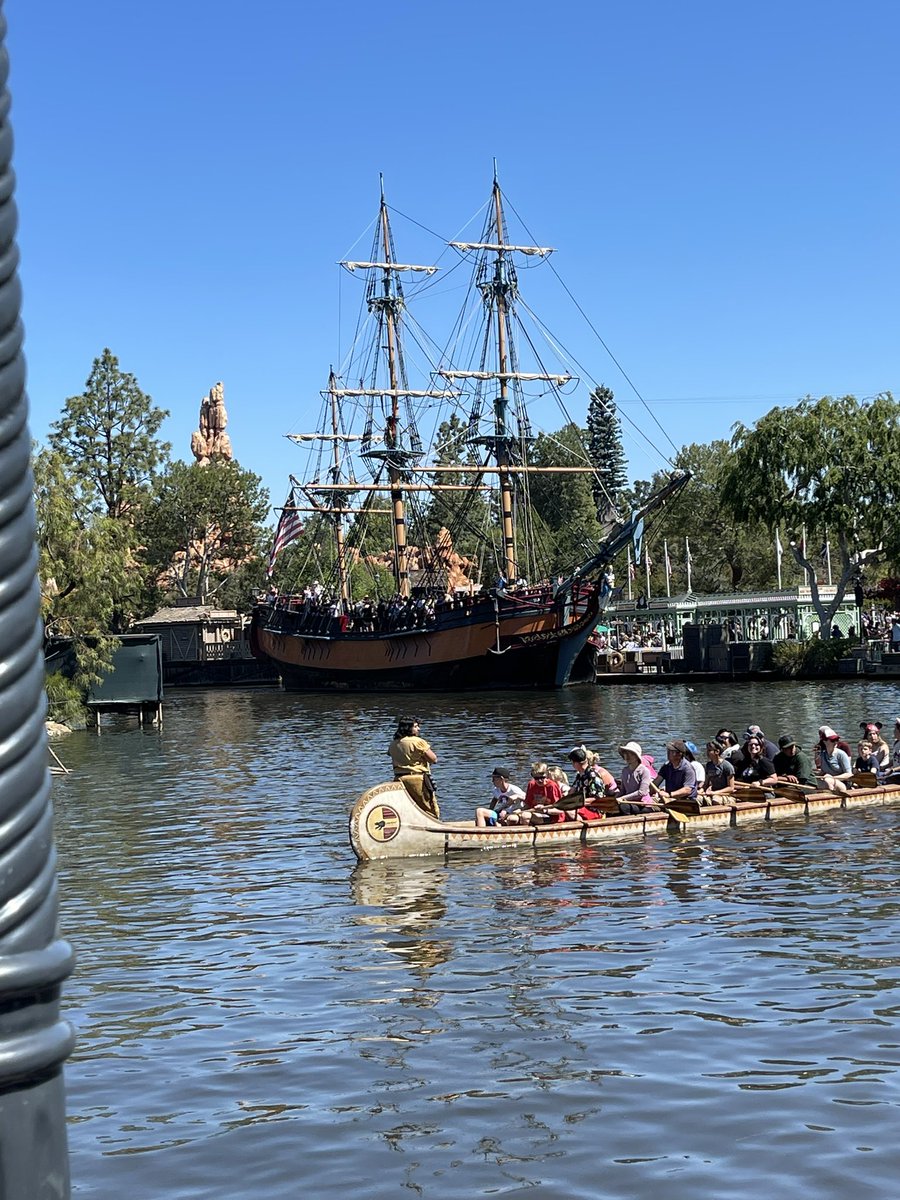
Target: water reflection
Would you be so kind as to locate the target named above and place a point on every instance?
(471, 1026)
(403, 901)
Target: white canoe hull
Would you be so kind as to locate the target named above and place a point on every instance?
(386, 823)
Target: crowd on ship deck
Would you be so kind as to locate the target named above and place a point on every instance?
(317, 610)
(727, 765)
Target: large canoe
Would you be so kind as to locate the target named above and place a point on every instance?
(386, 823)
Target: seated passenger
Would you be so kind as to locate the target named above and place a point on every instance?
(560, 776)
(506, 801)
(753, 765)
(731, 747)
(634, 786)
(541, 798)
(834, 763)
(591, 785)
(866, 759)
(719, 771)
(769, 748)
(677, 779)
(825, 733)
(880, 748)
(691, 755)
(791, 763)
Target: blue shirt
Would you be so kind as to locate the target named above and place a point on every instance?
(681, 776)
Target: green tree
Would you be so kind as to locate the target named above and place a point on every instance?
(108, 436)
(203, 524)
(312, 558)
(824, 471)
(567, 529)
(726, 554)
(84, 566)
(604, 442)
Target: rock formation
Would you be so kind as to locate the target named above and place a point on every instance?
(440, 561)
(210, 440)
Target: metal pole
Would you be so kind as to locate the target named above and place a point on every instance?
(34, 1042)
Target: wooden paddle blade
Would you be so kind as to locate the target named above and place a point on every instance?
(682, 818)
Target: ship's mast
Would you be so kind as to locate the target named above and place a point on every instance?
(502, 401)
(392, 432)
(343, 581)
(498, 288)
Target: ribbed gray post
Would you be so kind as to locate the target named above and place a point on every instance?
(34, 1042)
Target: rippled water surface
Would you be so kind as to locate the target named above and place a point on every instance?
(697, 1015)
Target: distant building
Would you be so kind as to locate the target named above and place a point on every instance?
(744, 616)
(203, 645)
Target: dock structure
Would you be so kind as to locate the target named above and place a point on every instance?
(135, 683)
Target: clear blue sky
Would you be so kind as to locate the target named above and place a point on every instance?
(721, 181)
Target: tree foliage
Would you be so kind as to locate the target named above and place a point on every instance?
(726, 554)
(824, 471)
(604, 441)
(567, 524)
(83, 566)
(312, 558)
(108, 437)
(203, 524)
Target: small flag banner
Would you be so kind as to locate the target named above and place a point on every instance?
(290, 526)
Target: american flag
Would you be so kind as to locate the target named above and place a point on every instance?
(289, 528)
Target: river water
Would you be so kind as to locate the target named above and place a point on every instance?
(698, 1015)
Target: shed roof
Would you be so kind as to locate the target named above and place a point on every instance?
(190, 615)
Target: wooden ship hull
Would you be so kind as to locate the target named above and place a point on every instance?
(470, 480)
(523, 643)
(386, 823)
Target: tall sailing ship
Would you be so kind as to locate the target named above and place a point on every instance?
(493, 618)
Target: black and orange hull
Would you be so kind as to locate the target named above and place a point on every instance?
(517, 643)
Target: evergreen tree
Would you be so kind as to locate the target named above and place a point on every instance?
(83, 567)
(604, 440)
(108, 437)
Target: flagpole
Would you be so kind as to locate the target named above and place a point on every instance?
(647, 570)
(629, 573)
(687, 560)
(828, 558)
(778, 553)
(668, 567)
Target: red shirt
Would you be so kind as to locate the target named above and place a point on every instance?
(542, 791)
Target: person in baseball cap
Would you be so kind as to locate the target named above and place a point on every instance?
(792, 764)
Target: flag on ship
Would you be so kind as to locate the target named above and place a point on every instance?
(289, 529)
